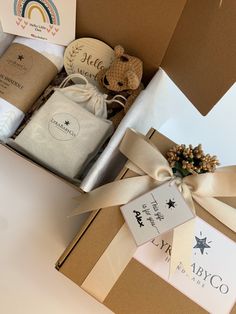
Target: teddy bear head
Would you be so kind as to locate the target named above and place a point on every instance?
(125, 72)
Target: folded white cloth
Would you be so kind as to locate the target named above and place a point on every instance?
(10, 119)
(5, 40)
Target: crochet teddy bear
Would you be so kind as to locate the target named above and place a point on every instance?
(123, 77)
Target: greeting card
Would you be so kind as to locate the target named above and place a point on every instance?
(50, 20)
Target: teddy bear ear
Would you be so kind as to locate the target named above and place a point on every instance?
(119, 51)
(133, 80)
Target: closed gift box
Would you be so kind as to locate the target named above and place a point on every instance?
(191, 40)
(143, 285)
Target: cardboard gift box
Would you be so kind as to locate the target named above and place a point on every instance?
(193, 41)
(135, 283)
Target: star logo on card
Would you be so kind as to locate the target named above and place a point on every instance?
(171, 203)
(202, 244)
(67, 122)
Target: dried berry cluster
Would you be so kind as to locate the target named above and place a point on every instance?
(188, 160)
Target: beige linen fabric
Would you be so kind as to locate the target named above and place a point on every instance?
(63, 135)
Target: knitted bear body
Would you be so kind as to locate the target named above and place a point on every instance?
(123, 77)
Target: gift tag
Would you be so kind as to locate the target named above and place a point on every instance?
(87, 56)
(156, 212)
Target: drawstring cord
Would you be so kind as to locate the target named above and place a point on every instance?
(96, 101)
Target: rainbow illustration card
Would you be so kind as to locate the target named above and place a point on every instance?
(50, 20)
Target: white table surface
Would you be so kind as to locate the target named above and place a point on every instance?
(34, 231)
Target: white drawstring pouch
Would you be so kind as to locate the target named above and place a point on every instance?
(68, 130)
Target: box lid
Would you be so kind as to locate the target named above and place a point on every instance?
(201, 56)
(192, 40)
(136, 280)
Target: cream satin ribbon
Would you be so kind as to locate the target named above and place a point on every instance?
(155, 170)
(110, 265)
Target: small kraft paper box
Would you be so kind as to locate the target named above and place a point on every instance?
(193, 41)
(103, 261)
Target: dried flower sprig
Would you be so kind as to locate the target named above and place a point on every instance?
(186, 160)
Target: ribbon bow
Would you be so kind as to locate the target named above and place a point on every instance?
(153, 169)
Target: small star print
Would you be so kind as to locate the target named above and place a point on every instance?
(201, 244)
(170, 204)
(67, 122)
(20, 57)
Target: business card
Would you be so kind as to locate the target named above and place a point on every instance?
(212, 282)
(48, 20)
(156, 212)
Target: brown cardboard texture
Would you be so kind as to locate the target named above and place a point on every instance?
(144, 28)
(136, 281)
(129, 24)
(196, 49)
(192, 40)
(20, 89)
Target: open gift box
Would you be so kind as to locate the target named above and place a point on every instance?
(104, 260)
(192, 41)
